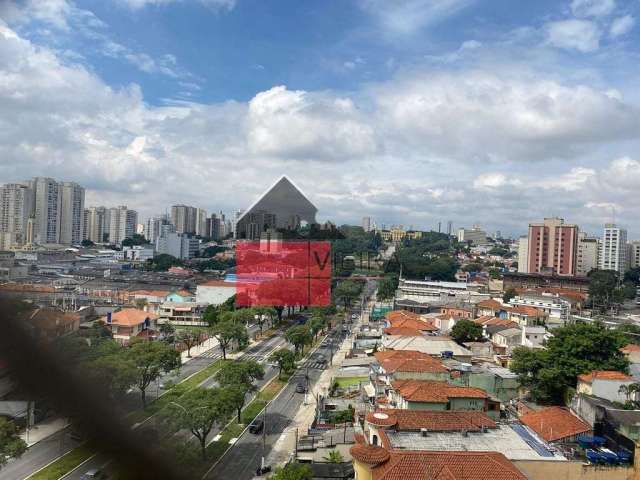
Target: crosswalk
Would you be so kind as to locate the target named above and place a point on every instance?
(216, 354)
(313, 364)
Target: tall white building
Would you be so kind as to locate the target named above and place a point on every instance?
(587, 256)
(366, 224)
(201, 222)
(613, 251)
(122, 224)
(179, 245)
(16, 205)
(47, 206)
(71, 213)
(96, 226)
(523, 254)
(476, 235)
(184, 218)
(154, 224)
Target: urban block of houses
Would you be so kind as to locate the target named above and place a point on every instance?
(402, 322)
(605, 384)
(527, 316)
(130, 323)
(555, 307)
(394, 365)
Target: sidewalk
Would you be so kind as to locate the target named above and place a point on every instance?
(44, 430)
(208, 344)
(285, 445)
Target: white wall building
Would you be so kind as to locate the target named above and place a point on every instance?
(96, 227)
(613, 252)
(71, 213)
(179, 245)
(587, 254)
(201, 222)
(184, 218)
(550, 304)
(136, 253)
(523, 254)
(475, 235)
(122, 224)
(634, 254)
(47, 206)
(16, 205)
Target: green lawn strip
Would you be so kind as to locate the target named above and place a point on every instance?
(64, 464)
(346, 381)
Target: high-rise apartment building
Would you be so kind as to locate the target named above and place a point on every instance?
(184, 218)
(587, 256)
(613, 250)
(201, 222)
(16, 206)
(71, 213)
(96, 228)
(553, 247)
(215, 227)
(154, 225)
(179, 245)
(122, 224)
(47, 206)
(366, 224)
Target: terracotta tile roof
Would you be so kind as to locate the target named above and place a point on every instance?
(131, 316)
(369, 454)
(405, 331)
(526, 310)
(490, 303)
(50, 318)
(417, 365)
(151, 293)
(418, 465)
(381, 356)
(401, 315)
(413, 323)
(632, 347)
(433, 420)
(489, 321)
(434, 392)
(604, 375)
(554, 423)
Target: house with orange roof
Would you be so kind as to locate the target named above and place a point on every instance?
(48, 324)
(130, 323)
(527, 316)
(632, 352)
(376, 463)
(404, 364)
(435, 395)
(556, 424)
(605, 384)
(490, 308)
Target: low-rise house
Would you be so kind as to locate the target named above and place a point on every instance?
(432, 395)
(607, 384)
(509, 339)
(431, 345)
(480, 349)
(150, 300)
(526, 316)
(556, 424)
(632, 352)
(555, 307)
(500, 383)
(533, 337)
(182, 313)
(394, 365)
(407, 323)
(48, 324)
(180, 296)
(130, 323)
(491, 308)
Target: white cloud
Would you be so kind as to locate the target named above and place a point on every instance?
(494, 180)
(581, 35)
(592, 8)
(621, 26)
(213, 4)
(408, 16)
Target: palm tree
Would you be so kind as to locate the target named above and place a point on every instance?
(334, 456)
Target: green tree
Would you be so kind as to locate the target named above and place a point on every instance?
(227, 331)
(466, 331)
(168, 332)
(11, 445)
(239, 378)
(150, 360)
(292, 471)
(347, 291)
(163, 262)
(190, 337)
(472, 267)
(387, 288)
(573, 350)
(114, 372)
(509, 294)
(604, 289)
(198, 411)
(334, 456)
(316, 325)
(136, 239)
(298, 336)
(285, 359)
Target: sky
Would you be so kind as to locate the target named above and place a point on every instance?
(413, 112)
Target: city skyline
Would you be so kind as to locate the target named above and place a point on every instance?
(487, 117)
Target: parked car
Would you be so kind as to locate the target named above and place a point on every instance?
(93, 474)
(256, 426)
